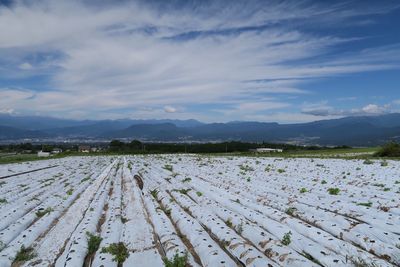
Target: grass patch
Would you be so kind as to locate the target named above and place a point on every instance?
(21, 158)
(239, 228)
(166, 211)
(168, 168)
(246, 168)
(333, 191)
(236, 200)
(365, 204)
(368, 162)
(290, 211)
(93, 242)
(85, 179)
(154, 193)
(177, 260)
(303, 190)
(311, 258)
(359, 262)
(199, 194)
(41, 213)
(24, 254)
(286, 240)
(183, 191)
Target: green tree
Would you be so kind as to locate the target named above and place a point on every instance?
(116, 145)
(135, 145)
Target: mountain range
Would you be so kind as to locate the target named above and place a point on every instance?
(353, 131)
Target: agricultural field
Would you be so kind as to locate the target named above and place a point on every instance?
(190, 210)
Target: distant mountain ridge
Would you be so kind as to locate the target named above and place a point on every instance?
(50, 123)
(15, 133)
(355, 131)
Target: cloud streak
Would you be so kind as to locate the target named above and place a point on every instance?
(136, 55)
(324, 110)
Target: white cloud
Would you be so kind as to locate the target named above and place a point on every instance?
(323, 110)
(287, 117)
(374, 109)
(10, 96)
(349, 98)
(169, 109)
(130, 54)
(25, 66)
(397, 102)
(257, 106)
(7, 111)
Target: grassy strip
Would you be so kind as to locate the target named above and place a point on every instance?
(364, 153)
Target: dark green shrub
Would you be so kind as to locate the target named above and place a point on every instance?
(333, 191)
(118, 250)
(176, 261)
(41, 213)
(303, 190)
(93, 242)
(168, 167)
(24, 254)
(391, 149)
(290, 211)
(286, 240)
(365, 204)
(368, 162)
(154, 193)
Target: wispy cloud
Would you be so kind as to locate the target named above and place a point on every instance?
(135, 55)
(25, 66)
(324, 110)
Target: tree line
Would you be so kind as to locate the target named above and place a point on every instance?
(136, 146)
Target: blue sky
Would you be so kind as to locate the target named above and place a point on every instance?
(215, 61)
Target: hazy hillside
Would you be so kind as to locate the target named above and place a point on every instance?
(355, 131)
(15, 133)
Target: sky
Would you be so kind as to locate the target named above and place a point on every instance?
(214, 61)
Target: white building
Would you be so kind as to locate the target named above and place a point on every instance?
(267, 150)
(42, 154)
(56, 151)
